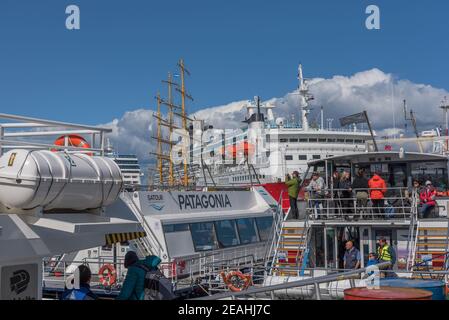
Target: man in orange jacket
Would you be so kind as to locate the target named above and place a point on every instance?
(378, 188)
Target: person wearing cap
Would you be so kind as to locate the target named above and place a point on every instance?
(134, 285)
(81, 291)
(293, 185)
(427, 197)
(316, 188)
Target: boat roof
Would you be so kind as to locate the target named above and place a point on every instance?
(381, 156)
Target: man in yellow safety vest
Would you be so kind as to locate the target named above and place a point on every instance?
(386, 253)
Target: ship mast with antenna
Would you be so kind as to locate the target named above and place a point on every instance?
(304, 98)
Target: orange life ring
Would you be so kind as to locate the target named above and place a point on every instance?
(73, 140)
(107, 275)
(237, 281)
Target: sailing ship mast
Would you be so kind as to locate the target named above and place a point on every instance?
(170, 124)
(183, 72)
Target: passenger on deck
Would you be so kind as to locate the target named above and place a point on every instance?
(372, 259)
(360, 186)
(378, 188)
(415, 190)
(386, 253)
(345, 187)
(316, 188)
(427, 197)
(293, 185)
(83, 292)
(352, 256)
(133, 287)
(335, 183)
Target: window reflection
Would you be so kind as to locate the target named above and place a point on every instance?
(203, 236)
(247, 231)
(264, 225)
(226, 233)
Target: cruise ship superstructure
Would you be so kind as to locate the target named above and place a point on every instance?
(277, 146)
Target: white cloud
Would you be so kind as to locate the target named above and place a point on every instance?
(373, 90)
(132, 133)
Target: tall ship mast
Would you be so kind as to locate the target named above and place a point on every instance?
(167, 174)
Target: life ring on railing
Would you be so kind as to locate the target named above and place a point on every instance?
(107, 275)
(72, 140)
(236, 281)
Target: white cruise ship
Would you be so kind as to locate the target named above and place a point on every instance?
(276, 146)
(128, 164)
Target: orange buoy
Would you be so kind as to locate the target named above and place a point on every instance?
(236, 281)
(107, 275)
(387, 293)
(72, 140)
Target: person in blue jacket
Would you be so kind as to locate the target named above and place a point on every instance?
(134, 285)
(372, 259)
(83, 292)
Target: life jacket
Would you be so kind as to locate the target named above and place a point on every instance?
(377, 187)
(384, 253)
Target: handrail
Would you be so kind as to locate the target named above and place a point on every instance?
(147, 227)
(344, 202)
(293, 284)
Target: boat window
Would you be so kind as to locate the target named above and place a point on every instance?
(288, 158)
(226, 233)
(341, 140)
(203, 236)
(283, 140)
(349, 140)
(323, 140)
(176, 227)
(294, 140)
(247, 231)
(358, 141)
(303, 140)
(313, 140)
(302, 157)
(316, 157)
(331, 140)
(264, 226)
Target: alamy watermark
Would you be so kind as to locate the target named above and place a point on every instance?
(73, 20)
(372, 22)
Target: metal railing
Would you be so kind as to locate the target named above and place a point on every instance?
(269, 290)
(27, 133)
(151, 241)
(352, 204)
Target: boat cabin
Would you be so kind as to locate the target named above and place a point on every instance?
(338, 213)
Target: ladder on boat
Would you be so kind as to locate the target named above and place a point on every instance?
(290, 244)
(431, 248)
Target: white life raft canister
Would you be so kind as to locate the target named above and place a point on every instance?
(56, 180)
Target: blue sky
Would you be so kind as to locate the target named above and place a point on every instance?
(234, 49)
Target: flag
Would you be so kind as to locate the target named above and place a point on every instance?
(355, 118)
